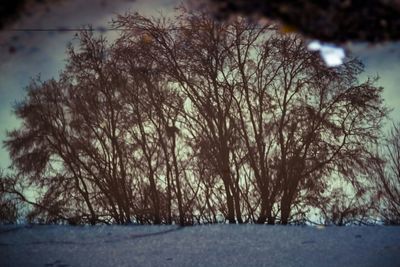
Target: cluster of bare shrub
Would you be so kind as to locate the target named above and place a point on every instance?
(191, 120)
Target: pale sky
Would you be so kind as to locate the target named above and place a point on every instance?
(44, 52)
(34, 53)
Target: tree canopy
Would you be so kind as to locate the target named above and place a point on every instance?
(193, 120)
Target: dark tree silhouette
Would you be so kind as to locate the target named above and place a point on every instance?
(9, 210)
(299, 120)
(386, 168)
(193, 120)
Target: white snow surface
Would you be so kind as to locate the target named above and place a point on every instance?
(210, 245)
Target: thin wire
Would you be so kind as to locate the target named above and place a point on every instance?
(99, 29)
(66, 29)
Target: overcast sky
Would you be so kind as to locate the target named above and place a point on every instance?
(24, 55)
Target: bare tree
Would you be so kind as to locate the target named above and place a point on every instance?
(196, 120)
(195, 57)
(9, 209)
(386, 176)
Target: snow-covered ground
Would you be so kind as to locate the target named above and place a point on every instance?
(214, 245)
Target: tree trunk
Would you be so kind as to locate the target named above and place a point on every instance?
(237, 208)
(229, 203)
(263, 213)
(155, 199)
(169, 196)
(178, 184)
(266, 213)
(285, 209)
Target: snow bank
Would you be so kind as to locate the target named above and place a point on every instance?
(214, 245)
